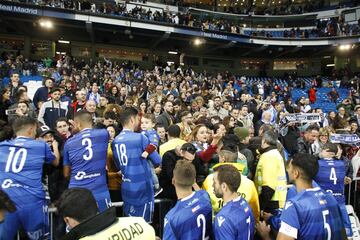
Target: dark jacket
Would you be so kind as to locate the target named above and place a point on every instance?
(93, 225)
(169, 160)
(41, 95)
(3, 107)
(165, 119)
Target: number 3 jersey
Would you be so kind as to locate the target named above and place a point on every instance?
(330, 178)
(86, 154)
(190, 219)
(21, 163)
(312, 214)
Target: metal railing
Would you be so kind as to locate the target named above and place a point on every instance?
(158, 203)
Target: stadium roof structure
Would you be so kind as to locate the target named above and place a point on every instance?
(23, 20)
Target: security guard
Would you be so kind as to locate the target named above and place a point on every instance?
(80, 212)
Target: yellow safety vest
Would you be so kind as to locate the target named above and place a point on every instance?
(246, 190)
(270, 172)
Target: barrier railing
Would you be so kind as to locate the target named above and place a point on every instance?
(352, 192)
(158, 203)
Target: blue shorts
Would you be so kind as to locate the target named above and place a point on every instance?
(33, 218)
(145, 211)
(346, 219)
(103, 200)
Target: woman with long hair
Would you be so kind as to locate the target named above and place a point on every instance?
(5, 103)
(114, 177)
(229, 123)
(199, 137)
(113, 95)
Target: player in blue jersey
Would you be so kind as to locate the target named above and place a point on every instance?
(85, 158)
(21, 165)
(312, 213)
(191, 217)
(137, 186)
(331, 177)
(235, 220)
(6, 205)
(147, 127)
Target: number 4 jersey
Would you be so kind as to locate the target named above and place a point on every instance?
(190, 218)
(21, 163)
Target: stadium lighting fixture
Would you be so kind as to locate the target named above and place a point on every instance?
(46, 24)
(327, 57)
(173, 52)
(345, 47)
(330, 65)
(197, 42)
(63, 41)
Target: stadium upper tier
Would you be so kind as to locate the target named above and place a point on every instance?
(332, 31)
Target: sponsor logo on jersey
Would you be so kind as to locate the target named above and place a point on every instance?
(82, 175)
(193, 201)
(8, 183)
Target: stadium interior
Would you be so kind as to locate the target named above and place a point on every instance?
(279, 50)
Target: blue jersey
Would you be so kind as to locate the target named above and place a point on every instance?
(330, 178)
(137, 185)
(274, 220)
(190, 218)
(86, 154)
(152, 136)
(21, 164)
(235, 221)
(312, 214)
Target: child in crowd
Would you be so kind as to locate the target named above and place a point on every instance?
(147, 128)
(161, 131)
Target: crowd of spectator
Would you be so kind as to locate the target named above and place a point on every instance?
(324, 28)
(208, 112)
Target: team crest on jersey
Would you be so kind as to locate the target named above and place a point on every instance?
(221, 220)
(287, 205)
(322, 202)
(195, 208)
(246, 209)
(132, 210)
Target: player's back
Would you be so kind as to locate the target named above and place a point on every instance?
(316, 213)
(86, 154)
(235, 221)
(21, 164)
(330, 178)
(190, 219)
(137, 186)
